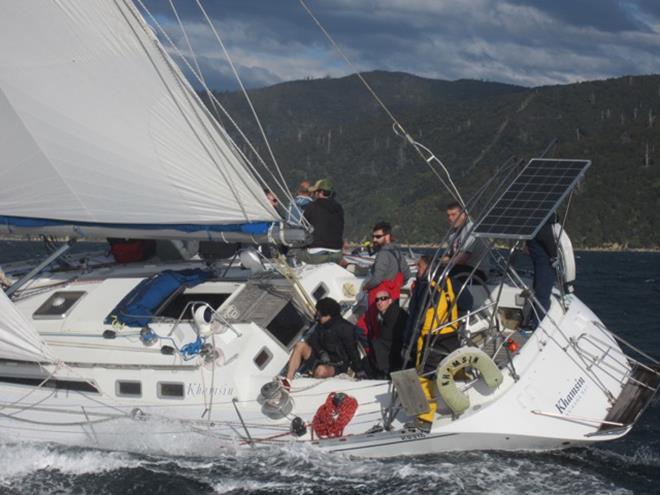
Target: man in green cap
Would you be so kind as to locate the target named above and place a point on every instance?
(326, 216)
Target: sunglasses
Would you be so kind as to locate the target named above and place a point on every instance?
(383, 298)
(378, 236)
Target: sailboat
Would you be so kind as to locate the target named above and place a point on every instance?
(102, 136)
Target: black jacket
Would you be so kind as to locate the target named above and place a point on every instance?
(327, 218)
(387, 346)
(338, 338)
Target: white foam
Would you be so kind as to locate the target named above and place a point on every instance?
(300, 468)
(242, 485)
(20, 460)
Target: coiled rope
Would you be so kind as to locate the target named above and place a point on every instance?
(334, 415)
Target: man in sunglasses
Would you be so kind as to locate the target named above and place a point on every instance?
(331, 348)
(389, 272)
(389, 261)
(387, 340)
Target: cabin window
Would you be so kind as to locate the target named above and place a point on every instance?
(174, 307)
(77, 386)
(168, 390)
(287, 324)
(128, 389)
(58, 306)
(263, 358)
(320, 292)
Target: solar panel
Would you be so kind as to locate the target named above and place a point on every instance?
(531, 198)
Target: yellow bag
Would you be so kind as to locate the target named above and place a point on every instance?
(437, 317)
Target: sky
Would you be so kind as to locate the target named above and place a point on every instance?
(524, 42)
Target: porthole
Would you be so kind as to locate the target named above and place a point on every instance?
(169, 390)
(263, 358)
(128, 388)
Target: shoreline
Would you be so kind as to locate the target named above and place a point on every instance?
(607, 248)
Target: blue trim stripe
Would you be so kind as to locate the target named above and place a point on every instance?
(252, 228)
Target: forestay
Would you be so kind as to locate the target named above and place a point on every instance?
(18, 338)
(100, 130)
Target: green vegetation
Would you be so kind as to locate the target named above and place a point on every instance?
(334, 128)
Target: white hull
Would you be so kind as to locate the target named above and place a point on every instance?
(559, 397)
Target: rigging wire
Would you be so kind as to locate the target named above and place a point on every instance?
(398, 128)
(197, 108)
(199, 73)
(247, 96)
(188, 95)
(248, 163)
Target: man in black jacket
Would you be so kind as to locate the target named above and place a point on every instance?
(326, 215)
(332, 347)
(387, 342)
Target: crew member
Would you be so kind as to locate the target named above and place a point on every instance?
(331, 348)
(326, 216)
(465, 251)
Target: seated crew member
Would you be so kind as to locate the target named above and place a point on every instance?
(300, 202)
(389, 272)
(331, 348)
(417, 297)
(326, 216)
(387, 340)
(465, 249)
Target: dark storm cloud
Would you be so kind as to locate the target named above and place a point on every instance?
(528, 42)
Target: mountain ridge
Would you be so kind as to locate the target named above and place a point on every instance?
(333, 127)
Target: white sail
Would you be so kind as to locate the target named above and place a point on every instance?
(19, 340)
(98, 125)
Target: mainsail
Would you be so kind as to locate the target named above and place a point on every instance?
(101, 134)
(19, 340)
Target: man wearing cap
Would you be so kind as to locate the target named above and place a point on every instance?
(326, 216)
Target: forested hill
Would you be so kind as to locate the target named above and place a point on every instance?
(334, 128)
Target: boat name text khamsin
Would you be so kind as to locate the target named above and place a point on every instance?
(198, 389)
(563, 404)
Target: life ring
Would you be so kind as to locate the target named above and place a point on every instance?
(565, 255)
(461, 358)
(333, 415)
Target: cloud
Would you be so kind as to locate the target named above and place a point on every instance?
(527, 42)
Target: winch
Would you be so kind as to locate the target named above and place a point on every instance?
(275, 400)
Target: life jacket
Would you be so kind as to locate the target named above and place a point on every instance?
(368, 321)
(437, 316)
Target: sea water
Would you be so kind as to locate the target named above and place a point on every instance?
(622, 288)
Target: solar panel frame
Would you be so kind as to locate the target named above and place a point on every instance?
(532, 197)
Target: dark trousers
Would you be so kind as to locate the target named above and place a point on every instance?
(544, 279)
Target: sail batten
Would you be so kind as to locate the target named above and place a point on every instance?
(100, 127)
